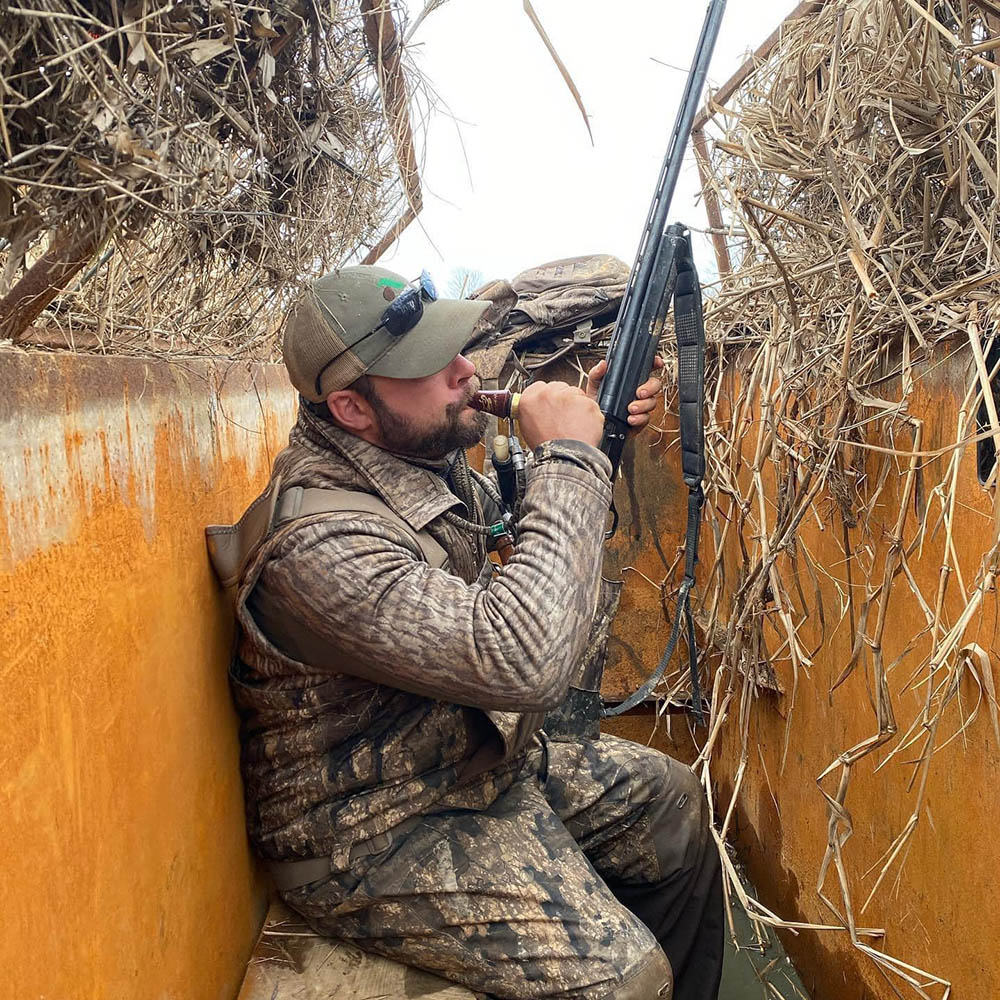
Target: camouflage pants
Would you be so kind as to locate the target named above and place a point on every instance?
(594, 857)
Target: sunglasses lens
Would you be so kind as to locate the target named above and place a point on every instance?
(427, 288)
(404, 313)
(406, 309)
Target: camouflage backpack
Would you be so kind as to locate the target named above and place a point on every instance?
(576, 295)
(566, 293)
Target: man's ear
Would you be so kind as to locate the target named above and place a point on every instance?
(352, 411)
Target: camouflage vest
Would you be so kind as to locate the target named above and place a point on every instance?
(330, 759)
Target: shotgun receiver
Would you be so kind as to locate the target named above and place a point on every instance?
(663, 272)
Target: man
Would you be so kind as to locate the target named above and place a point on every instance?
(392, 682)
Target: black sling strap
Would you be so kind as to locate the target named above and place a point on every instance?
(689, 328)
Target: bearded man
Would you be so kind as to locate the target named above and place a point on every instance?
(392, 681)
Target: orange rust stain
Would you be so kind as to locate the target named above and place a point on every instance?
(125, 867)
(646, 551)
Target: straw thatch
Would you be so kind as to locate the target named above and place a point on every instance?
(857, 168)
(179, 166)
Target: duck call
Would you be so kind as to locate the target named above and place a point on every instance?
(498, 402)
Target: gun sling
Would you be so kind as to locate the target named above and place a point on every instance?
(664, 270)
(689, 328)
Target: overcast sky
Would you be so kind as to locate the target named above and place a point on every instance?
(510, 177)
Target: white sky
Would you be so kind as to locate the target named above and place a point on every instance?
(534, 189)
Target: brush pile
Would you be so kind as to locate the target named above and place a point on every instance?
(859, 170)
(198, 157)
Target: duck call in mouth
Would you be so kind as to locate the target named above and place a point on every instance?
(499, 402)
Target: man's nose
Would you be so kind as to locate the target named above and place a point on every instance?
(461, 370)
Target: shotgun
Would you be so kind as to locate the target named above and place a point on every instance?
(664, 272)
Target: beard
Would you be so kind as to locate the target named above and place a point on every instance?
(460, 427)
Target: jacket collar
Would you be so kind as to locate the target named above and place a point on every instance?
(417, 494)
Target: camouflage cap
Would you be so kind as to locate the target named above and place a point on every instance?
(332, 334)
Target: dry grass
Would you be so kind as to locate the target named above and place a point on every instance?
(858, 168)
(204, 155)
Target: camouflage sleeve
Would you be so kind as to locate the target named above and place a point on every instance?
(567, 449)
(354, 583)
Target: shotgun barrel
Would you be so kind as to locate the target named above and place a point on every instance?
(647, 294)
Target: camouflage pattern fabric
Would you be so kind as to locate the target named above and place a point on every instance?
(565, 292)
(390, 723)
(553, 296)
(488, 347)
(372, 687)
(515, 900)
(579, 713)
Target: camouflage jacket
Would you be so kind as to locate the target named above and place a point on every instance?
(373, 687)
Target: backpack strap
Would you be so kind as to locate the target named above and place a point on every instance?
(231, 547)
(304, 501)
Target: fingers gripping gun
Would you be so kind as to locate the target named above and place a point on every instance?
(663, 272)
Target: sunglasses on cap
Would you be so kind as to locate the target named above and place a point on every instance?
(402, 315)
(407, 308)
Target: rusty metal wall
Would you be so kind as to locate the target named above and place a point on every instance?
(123, 861)
(939, 914)
(124, 868)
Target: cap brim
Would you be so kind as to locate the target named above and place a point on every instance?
(444, 330)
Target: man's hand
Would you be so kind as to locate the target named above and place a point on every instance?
(645, 396)
(551, 410)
